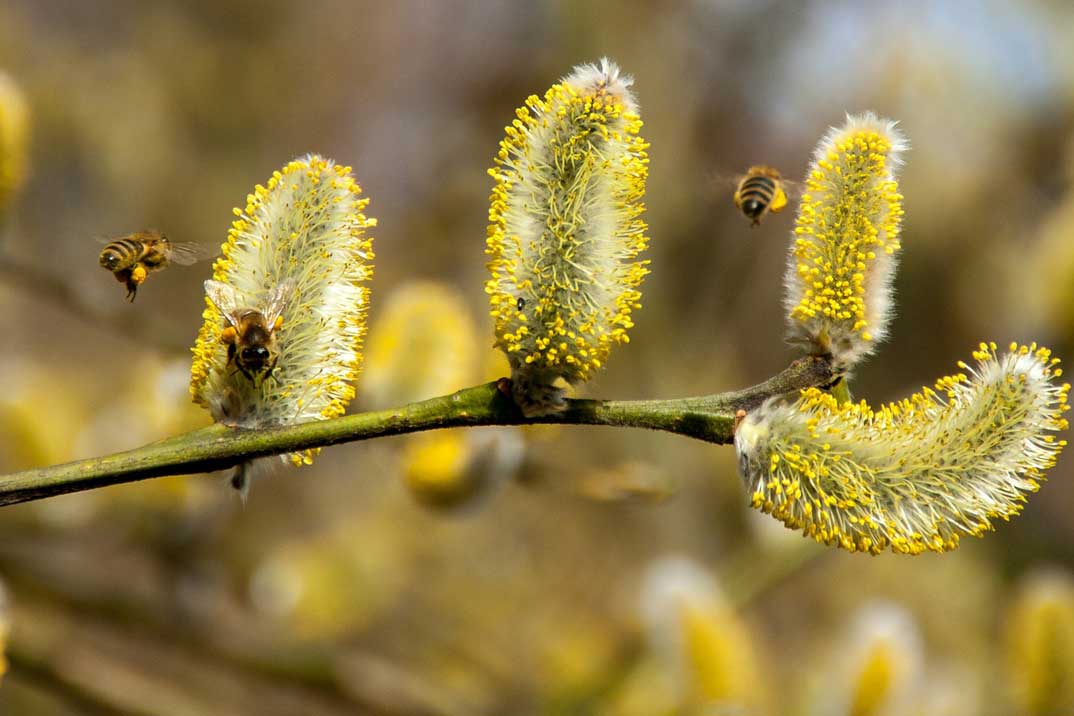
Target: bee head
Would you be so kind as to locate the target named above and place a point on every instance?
(254, 354)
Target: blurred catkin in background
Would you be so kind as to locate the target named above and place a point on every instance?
(332, 591)
(14, 139)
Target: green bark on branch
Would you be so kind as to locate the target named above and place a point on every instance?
(710, 418)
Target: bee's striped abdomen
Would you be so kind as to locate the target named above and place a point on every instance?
(121, 254)
(755, 195)
(156, 254)
(760, 190)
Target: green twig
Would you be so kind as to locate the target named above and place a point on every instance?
(710, 418)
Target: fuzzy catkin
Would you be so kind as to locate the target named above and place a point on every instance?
(565, 232)
(306, 226)
(846, 241)
(914, 475)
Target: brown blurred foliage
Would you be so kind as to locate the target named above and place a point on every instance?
(333, 591)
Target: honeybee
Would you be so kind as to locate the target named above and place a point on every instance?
(133, 257)
(760, 190)
(250, 336)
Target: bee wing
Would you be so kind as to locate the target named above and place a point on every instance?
(102, 239)
(724, 183)
(147, 235)
(793, 189)
(725, 180)
(186, 253)
(276, 301)
(225, 298)
(721, 178)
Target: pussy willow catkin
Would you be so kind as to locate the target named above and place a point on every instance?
(846, 241)
(305, 229)
(914, 475)
(565, 232)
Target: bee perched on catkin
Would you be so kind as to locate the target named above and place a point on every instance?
(846, 242)
(285, 309)
(914, 475)
(565, 232)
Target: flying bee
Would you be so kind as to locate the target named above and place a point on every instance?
(133, 257)
(761, 190)
(250, 335)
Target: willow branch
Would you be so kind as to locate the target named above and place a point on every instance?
(710, 418)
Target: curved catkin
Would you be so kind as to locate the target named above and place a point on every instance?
(14, 138)
(914, 475)
(565, 232)
(846, 241)
(304, 228)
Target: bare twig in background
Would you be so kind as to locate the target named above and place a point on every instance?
(53, 289)
(78, 636)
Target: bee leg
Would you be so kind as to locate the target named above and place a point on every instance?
(272, 367)
(832, 384)
(135, 277)
(227, 339)
(124, 277)
(240, 480)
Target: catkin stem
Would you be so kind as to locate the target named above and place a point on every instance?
(709, 418)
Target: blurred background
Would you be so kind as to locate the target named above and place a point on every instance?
(504, 571)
